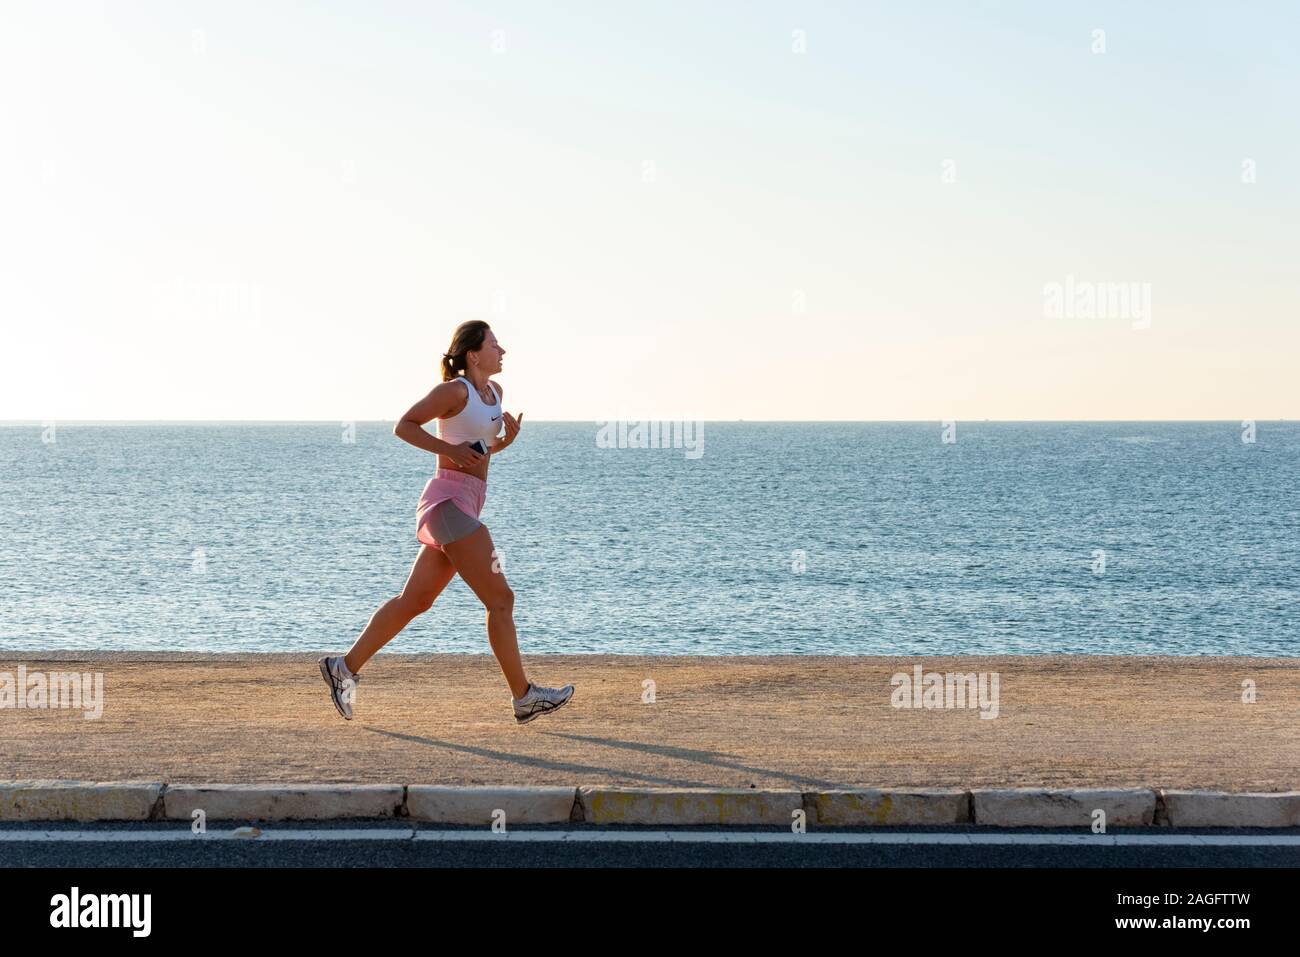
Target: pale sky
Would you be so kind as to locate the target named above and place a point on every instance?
(719, 211)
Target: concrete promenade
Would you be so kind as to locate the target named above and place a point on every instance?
(801, 728)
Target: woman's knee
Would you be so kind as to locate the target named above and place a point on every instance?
(416, 603)
(501, 600)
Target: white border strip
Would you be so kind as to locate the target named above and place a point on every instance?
(179, 835)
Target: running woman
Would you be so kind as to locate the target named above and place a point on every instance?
(467, 405)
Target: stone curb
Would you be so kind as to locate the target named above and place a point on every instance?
(446, 804)
(889, 806)
(747, 806)
(1037, 807)
(78, 800)
(598, 805)
(1232, 809)
(277, 802)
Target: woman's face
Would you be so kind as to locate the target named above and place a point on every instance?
(488, 359)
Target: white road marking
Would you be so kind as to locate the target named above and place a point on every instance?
(179, 835)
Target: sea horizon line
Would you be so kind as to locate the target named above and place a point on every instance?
(39, 423)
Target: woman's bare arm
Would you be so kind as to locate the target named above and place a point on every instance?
(443, 401)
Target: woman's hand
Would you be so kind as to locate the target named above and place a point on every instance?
(464, 456)
(512, 429)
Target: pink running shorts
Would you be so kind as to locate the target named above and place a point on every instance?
(466, 492)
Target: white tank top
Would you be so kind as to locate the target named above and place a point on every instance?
(477, 420)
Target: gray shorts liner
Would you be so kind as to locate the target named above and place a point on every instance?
(448, 524)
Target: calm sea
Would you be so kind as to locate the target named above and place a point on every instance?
(781, 538)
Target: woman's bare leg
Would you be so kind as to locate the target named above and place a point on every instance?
(472, 556)
(429, 576)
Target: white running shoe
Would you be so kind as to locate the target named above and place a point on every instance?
(343, 686)
(539, 701)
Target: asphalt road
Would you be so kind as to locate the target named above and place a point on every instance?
(401, 844)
